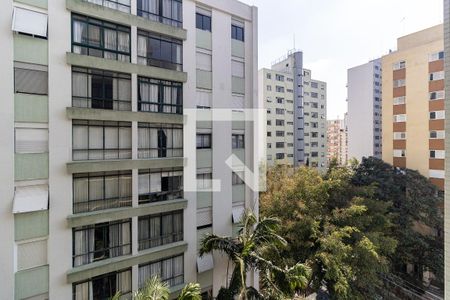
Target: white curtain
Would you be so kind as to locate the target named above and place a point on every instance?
(178, 270)
(153, 143)
(167, 99)
(177, 10)
(80, 194)
(111, 142)
(125, 142)
(84, 243)
(95, 142)
(115, 238)
(144, 142)
(155, 231)
(144, 90)
(82, 291)
(123, 283)
(178, 226)
(80, 89)
(155, 182)
(78, 29)
(126, 238)
(167, 270)
(142, 50)
(125, 186)
(167, 229)
(178, 142)
(110, 39)
(178, 54)
(123, 39)
(143, 233)
(96, 188)
(80, 142)
(111, 187)
(144, 183)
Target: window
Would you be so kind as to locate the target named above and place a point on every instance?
(437, 154)
(101, 241)
(98, 38)
(160, 229)
(168, 12)
(29, 22)
(269, 76)
(437, 134)
(237, 141)
(437, 75)
(437, 115)
(280, 89)
(436, 56)
(104, 286)
(203, 98)
(31, 140)
(399, 136)
(236, 178)
(237, 69)
(93, 88)
(399, 118)
(314, 95)
(437, 95)
(203, 22)
(160, 140)
(269, 122)
(269, 88)
(437, 174)
(160, 96)
(269, 145)
(399, 83)
(204, 61)
(31, 254)
(279, 77)
(203, 140)
(399, 65)
(279, 122)
(237, 33)
(204, 181)
(289, 90)
(279, 111)
(269, 157)
(279, 156)
(269, 133)
(314, 115)
(170, 270)
(121, 5)
(399, 153)
(399, 100)
(102, 190)
(159, 51)
(279, 145)
(160, 185)
(280, 100)
(30, 79)
(100, 140)
(279, 133)
(314, 105)
(314, 85)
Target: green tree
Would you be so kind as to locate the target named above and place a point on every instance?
(249, 251)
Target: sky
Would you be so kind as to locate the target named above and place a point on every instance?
(336, 35)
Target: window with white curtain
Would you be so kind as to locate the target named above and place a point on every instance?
(162, 96)
(159, 51)
(31, 140)
(100, 140)
(104, 286)
(238, 141)
(437, 75)
(120, 5)
(399, 118)
(204, 61)
(204, 181)
(160, 229)
(437, 115)
(29, 22)
(160, 140)
(160, 185)
(237, 69)
(100, 89)
(164, 11)
(102, 190)
(99, 38)
(101, 241)
(170, 270)
(203, 98)
(437, 95)
(437, 134)
(399, 153)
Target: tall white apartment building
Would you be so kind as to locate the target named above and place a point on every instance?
(364, 89)
(101, 146)
(296, 113)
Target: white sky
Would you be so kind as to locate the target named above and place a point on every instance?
(336, 35)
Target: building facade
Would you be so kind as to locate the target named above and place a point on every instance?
(446, 7)
(364, 105)
(296, 113)
(413, 104)
(106, 169)
(337, 141)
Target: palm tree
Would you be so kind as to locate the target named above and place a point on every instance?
(191, 291)
(247, 252)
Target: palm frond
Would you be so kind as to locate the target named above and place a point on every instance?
(154, 289)
(191, 291)
(223, 244)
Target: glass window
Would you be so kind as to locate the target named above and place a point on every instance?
(101, 39)
(203, 141)
(161, 96)
(159, 51)
(237, 141)
(30, 79)
(170, 270)
(164, 11)
(160, 140)
(237, 33)
(237, 178)
(160, 185)
(160, 229)
(203, 22)
(121, 5)
(104, 286)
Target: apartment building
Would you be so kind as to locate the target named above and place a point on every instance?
(102, 156)
(364, 105)
(413, 104)
(446, 7)
(337, 141)
(296, 113)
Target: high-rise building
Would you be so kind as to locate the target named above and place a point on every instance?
(296, 113)
(337, 141)
(364, 110)
(99, 164)
(447, 146)
(413, 104)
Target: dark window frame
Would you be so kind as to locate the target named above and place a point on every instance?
(116, 2)
(159, 17)
(161, 239)
(159, 104)
(171, 193)
(162, 147)
(203, 144)
(237, 141)
(237, 33)
(170, 280)
(203, 22)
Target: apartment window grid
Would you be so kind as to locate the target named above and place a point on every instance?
(99, 89)
(100, 140)
(437, 95)
(120, 5)
(170, 270)
(30, 79)
(102, 190)
(104, 286)
(169, 12)
(237, 33)
(204, 181)
(436, 56)
(204, 140)
(99, 38)
(238, 141)
(156, 185)
(203, 22)
(160, 229)
(399, 65)
(160, 140)
(160, 96)
(159, 51)
(101, 241)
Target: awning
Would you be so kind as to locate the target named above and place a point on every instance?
(237, 212)
(205, 263)
(29, 21)
(30, 198)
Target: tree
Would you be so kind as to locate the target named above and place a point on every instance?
(337, 228)
(249, 251)
(191, 291)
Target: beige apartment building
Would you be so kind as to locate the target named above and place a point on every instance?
(337, 141)
(413, 113)
(447, 145)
